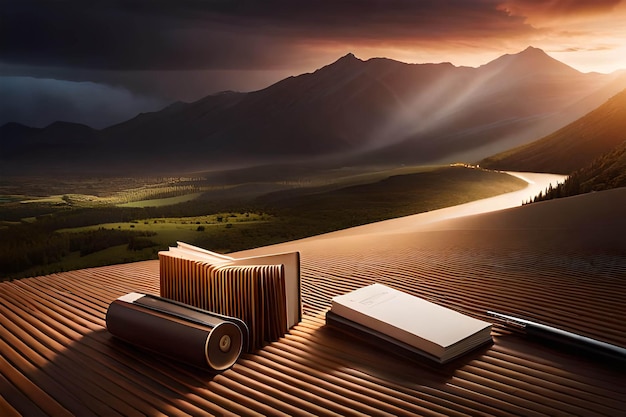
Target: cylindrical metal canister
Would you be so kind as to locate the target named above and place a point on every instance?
(169, 328)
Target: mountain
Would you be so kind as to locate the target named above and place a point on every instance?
(527, 63)
(351, 111)
(605, 172)
(506, 103)
(572, 147)
(56, 143)
(337, 109)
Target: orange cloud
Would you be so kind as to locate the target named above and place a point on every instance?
(541, 11)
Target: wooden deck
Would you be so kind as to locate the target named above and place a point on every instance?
(58, 359)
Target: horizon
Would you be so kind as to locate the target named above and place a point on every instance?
(103, 65)
(243, 163)
(162, 105)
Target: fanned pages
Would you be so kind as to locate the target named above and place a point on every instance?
(410, 322)
(263, 291)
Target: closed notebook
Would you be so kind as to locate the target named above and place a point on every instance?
(432, 330)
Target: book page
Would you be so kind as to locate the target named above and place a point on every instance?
(209, 254)
(291, 262)
(263, 291)
(187, 251)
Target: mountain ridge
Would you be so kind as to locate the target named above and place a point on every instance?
(571, 147)
(533, 59)
(354, 111)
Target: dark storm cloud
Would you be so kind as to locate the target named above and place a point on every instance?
(37, 102)
(226, 34)
(108, 35)
(159, 51)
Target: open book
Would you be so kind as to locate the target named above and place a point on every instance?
(409, 322)
(263, 291)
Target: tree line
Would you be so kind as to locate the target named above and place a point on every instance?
(27, 247)
(28, 244)
(604, 173)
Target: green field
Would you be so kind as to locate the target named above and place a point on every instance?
(49, 235)
(168, 230)
(160, 202)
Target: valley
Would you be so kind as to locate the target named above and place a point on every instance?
(45, 236)
(352, 143)
(468, 154)
(353, 112)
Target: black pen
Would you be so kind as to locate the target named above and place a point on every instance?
(554, 334)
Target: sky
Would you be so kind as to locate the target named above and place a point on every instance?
(102, 62)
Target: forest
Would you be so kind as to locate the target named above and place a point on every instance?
(605, 172)
(51, 238)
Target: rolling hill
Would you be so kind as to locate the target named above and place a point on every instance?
(351, 112)
(605, 172)
(571, 147)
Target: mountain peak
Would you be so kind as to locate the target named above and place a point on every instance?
(61, 124)
(534, 53)
(349, 56)
(530, 60)
(14, 125)
(348, 59)
(532, 49)
(348, 62)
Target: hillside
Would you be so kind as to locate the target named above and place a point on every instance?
(351, 111)
(606, 172)
(58, 137)
(572, 147)
(78, 233)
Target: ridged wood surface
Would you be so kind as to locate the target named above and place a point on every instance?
(58, 358)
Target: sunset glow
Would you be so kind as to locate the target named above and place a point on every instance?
(178, 50)
(588, 36)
